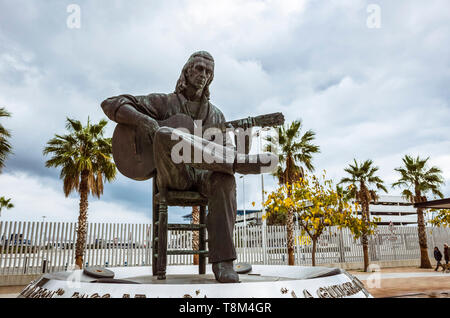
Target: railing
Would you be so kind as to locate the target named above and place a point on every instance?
(39, 247)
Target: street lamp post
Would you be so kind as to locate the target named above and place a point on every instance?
(258, 134)
(243, 203)
(245, 219)
(297, 237)
(264, 221)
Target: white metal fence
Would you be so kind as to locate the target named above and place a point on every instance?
(37, 247)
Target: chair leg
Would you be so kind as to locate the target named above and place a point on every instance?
(162, 242)
(155, 238)
(202, 242)
(155, 219)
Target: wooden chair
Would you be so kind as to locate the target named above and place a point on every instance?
(161, 202)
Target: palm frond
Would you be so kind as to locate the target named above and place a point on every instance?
(73, 125)
(414, 175)
(5, 145)
(83, 150)
(4, 112)
(295, 151)
(362, 177)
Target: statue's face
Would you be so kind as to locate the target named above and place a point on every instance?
(200, 73)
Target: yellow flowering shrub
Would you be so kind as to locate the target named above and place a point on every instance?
(317, 204)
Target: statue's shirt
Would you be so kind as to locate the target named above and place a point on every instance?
(193, 108)
(163, 106)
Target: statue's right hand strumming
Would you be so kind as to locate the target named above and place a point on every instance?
(147, 127)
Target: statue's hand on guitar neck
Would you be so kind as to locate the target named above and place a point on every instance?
(248, 123)
(245, 123)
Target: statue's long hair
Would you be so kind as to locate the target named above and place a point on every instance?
(182, 82)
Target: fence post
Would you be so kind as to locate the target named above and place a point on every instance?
(372, 252)
(296, 242)
(25, 264)
(44, 266)
(341, 248)
(264, 243)
(432, 237)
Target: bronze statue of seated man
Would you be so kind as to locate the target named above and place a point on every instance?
(214, 180)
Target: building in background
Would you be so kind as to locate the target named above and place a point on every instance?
(391, 209)
(395, 210)
(252, 217)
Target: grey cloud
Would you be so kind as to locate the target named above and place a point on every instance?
(367, 93)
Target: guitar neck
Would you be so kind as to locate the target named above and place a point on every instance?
(268, 120)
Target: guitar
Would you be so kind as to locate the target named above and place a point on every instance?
(134, 156)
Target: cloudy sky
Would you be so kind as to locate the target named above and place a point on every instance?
(368, 92)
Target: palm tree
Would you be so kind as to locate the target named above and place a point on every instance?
(84, 156)
(295, 151)
(5, 150)
(5, 146)
(362, 176)
(418, 180)
(5, 203)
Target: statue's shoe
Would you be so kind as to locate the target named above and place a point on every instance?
(255, 164)
(224, 272)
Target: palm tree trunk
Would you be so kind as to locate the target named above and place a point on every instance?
(364, 238)
(195, 234)
(290, 216)
(82, 221)
(424, 259)
(290, 236)
(313, 254)
(365, 251)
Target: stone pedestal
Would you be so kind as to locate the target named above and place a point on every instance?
(263, 281)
